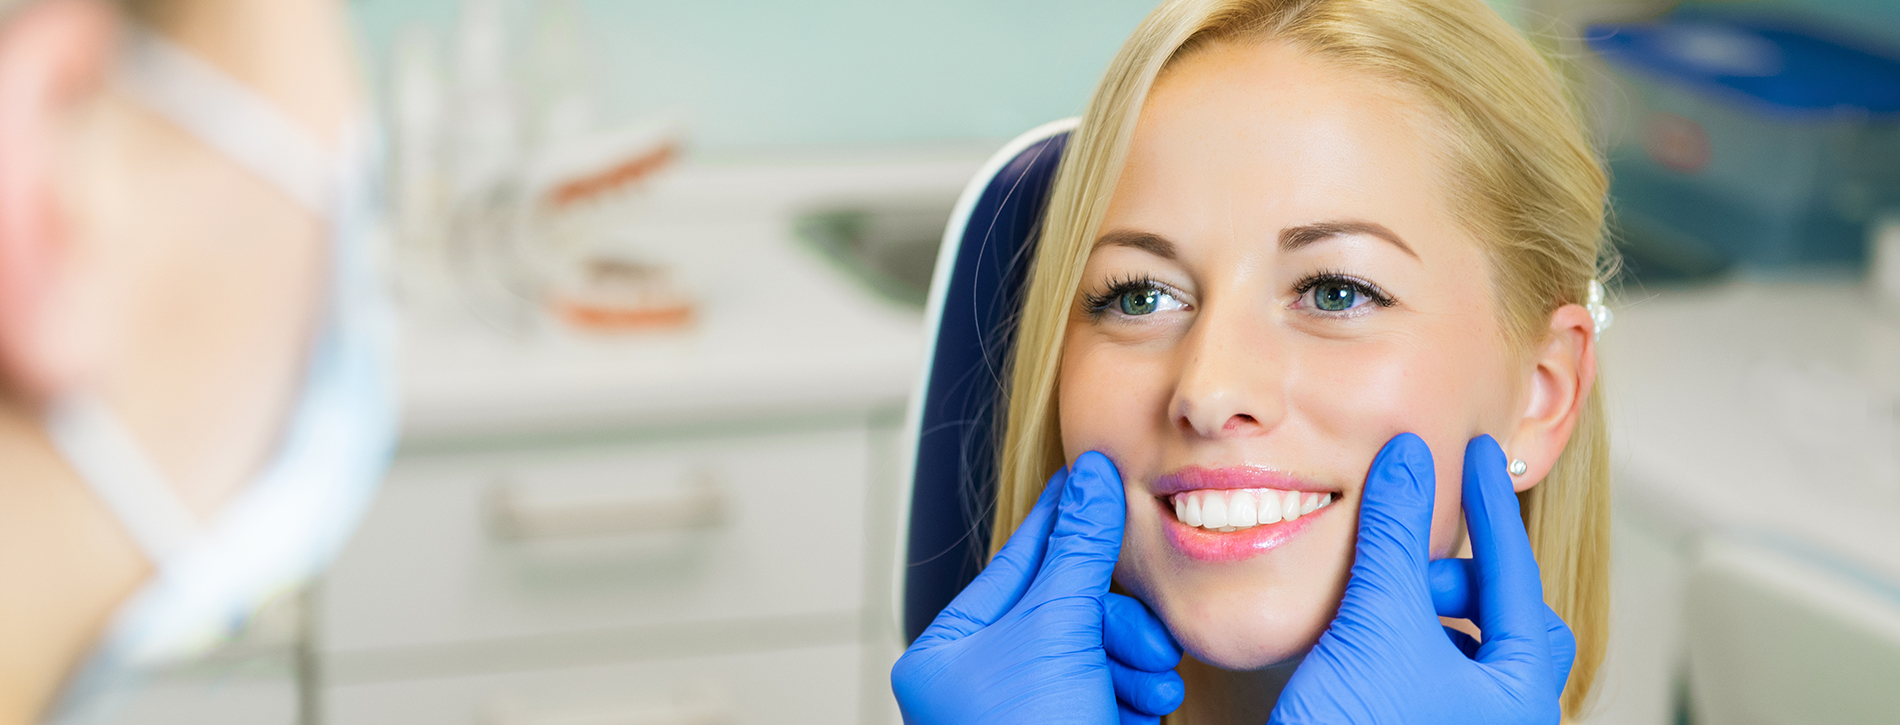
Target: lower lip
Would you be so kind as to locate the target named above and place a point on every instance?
(1225, 546)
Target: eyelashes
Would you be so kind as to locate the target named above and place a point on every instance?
(1326, 293)
(1336, 279)
(1120, 289)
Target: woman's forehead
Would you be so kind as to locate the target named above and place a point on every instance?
(1263, 136)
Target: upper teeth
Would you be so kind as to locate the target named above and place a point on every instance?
(1232, 510)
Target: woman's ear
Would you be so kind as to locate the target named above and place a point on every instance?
(1563, 369)
(54, 59)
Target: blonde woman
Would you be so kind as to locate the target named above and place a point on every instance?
(1315, 276)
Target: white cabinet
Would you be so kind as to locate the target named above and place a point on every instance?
(728, 577)
(647, 534)
(807, 685)
(695, 526)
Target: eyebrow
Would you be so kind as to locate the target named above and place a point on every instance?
(1294, 238)
(1291, 238)
(1149, 242)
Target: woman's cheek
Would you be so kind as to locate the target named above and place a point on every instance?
(1113, 399)
(1448, 507)
(1361, 400)
(1357, 399)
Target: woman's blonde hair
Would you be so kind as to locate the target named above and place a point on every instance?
(1528, 185)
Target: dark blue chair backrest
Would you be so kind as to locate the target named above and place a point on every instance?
(982, 271)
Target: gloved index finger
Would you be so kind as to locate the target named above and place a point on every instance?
(1454, 594)
(1452, 585)
(1510, 592)
(1087, 538)
(1002, 583)
(1136, 637)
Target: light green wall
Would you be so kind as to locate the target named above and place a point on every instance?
(826, 73)
(757, 73)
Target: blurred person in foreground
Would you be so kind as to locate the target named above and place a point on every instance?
(195, 402)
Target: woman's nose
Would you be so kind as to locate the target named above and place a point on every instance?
(1229, 382)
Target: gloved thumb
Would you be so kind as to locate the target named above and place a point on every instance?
(1001, 584)
(1087, 538)
(1395, 528)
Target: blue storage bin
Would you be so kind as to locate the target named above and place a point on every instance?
(1755, 141)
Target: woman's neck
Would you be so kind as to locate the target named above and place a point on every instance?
(1222, 697)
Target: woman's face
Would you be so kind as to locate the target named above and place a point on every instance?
(1280, 287)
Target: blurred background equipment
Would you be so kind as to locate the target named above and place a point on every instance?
(662, 265)
(890, 245)
(1757, 142)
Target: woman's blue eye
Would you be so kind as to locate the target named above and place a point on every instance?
(1335, 296)
(1134, 298)
(1140, 301)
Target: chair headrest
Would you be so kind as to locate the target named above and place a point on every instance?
(982, 268)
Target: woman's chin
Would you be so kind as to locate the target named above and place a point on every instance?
(1239, 627)
(1244, 653)
(1245, 629)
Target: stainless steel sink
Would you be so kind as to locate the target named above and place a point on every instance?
(887, 245)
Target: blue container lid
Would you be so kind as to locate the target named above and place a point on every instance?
(1777, 67)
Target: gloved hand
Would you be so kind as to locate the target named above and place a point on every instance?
(1037, 637)
(1386, 658)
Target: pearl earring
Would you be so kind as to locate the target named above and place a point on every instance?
(1518, 467)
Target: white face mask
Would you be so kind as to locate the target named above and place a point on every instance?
(211, 576)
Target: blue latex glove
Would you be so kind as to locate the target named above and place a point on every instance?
(1037, 637)
(1386, 658)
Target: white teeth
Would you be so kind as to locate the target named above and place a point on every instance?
(1240, 509)
(1269, 508)
(1214, 511)
(1233, 510)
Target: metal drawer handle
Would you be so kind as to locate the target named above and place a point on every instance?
(516, 516)
(682, 711)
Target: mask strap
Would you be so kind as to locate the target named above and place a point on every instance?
(224, 114)
(111, 462)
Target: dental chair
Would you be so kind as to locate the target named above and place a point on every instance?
(975, 294)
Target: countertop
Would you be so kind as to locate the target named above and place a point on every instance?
(777, 330)
(1769, 409)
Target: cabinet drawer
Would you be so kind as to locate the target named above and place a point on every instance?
(509, 545)
(810, 685)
